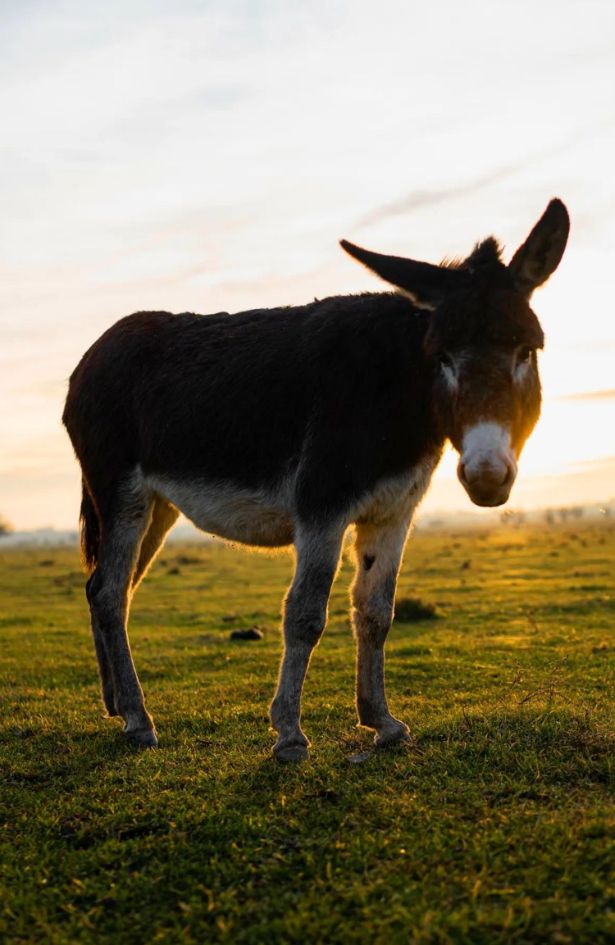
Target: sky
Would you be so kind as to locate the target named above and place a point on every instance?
(206, 156)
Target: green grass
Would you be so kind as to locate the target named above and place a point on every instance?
(496, 827)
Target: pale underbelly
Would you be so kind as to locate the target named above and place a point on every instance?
(251, 518)
(266, 517)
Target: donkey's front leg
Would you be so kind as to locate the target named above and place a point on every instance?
(305, 616)
(379, 549)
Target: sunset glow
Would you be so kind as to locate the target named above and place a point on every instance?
(209, 156)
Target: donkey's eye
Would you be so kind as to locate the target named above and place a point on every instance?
(445, 361)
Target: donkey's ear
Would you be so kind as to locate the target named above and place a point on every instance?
(540, 255)
(424, 284)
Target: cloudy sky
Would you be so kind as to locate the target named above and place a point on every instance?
(208, 155)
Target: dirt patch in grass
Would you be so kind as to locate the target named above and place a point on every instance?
(412, 609)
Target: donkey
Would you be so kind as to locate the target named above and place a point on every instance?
(284, 426)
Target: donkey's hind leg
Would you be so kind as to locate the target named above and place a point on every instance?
(104, 666)
(125, 519)
(164, 516)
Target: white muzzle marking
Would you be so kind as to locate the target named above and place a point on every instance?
(488, 466)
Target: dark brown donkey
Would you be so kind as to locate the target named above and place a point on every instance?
(286, 426)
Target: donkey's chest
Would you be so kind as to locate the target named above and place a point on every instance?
(397, 497)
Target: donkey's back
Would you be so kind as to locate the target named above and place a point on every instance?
(169, 392)
(224, 396)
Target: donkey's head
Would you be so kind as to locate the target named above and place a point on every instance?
(482, 341)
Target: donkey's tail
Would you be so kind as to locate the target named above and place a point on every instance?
(90, 530)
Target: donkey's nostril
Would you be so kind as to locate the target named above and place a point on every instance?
(509, 475)
(496, 475)
(505, 476)
(486, 475)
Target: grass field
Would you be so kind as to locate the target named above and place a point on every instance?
(495, 827)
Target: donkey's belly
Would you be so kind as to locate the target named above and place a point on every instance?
(250, 517)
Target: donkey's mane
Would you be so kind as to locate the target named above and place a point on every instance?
(486, 255)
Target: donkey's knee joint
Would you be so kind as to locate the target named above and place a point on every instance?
(93, 587)
(304, 625)
(373, 621)
(308, 631)
(99, 591)
(105, 598)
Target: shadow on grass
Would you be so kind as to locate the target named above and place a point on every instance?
(500, 754)
(557, 747)
(250, 824)
(487, 757)
(56, 759)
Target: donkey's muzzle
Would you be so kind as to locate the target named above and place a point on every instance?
(489, 485)
(487, 466)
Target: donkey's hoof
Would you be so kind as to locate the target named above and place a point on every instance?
(291, 754)
(393, 735)
(142, 738)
